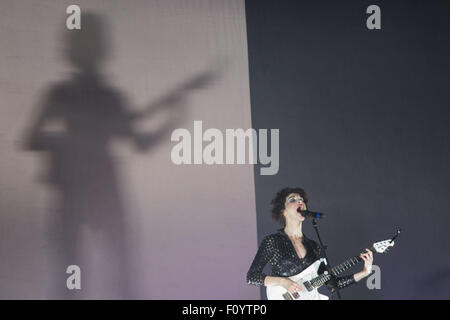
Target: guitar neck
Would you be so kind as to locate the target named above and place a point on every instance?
(347, 264)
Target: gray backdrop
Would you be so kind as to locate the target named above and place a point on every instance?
(364, 129)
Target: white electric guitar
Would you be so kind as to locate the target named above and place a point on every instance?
(316, 275)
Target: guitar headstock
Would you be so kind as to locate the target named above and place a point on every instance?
(384, 246)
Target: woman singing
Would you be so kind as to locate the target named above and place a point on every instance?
(289, 251)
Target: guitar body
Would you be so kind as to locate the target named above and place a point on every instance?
(302, 278)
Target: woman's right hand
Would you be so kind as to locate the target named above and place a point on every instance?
(290, 285)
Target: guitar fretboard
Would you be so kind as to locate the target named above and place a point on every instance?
(320, 280)
(346, 265)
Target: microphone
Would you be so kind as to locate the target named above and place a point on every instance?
(311, 214)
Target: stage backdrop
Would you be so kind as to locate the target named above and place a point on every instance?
(87, 177)
(87, 168)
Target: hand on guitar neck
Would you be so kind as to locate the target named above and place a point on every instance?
(367, 257)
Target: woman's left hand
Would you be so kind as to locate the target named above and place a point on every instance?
(368, 260)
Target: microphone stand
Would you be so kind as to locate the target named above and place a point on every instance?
(323, 248)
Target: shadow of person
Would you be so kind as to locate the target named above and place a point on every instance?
(76, 122)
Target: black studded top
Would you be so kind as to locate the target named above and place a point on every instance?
(278, 250)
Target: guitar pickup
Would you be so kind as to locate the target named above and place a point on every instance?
(308, 285)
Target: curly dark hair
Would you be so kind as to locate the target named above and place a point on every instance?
(280, 199)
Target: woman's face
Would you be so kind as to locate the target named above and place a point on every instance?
(292, 203)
